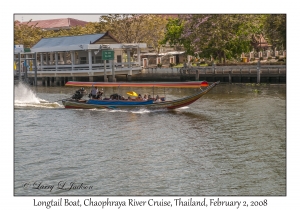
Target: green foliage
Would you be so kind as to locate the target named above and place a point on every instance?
(174, 29)
(173, 35)
(26, 35)
(275, 29)
(30, 35)
(132, 28)
(171, 65)
(217, 36)
(220, 36)
(126, 28)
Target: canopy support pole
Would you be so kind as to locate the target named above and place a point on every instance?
(153, 92)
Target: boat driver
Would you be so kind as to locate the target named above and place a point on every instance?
(94, 92)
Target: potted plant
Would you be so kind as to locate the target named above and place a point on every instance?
(171, 65)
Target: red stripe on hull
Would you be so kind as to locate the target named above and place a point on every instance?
(182, 105)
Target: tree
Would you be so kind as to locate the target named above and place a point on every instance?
(275, 29)
(132, 28)
(222, 36)
(26, 35)
(30, 35)
(173, 35)
(129, 28)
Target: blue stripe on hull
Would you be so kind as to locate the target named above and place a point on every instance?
(118, 103)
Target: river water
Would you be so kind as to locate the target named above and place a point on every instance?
(232, 141)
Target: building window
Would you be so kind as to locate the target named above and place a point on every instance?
(83, 60)
(119, 59)
(158, 60)
(171, 59)
(99, 59)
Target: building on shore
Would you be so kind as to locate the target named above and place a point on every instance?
(82, 56)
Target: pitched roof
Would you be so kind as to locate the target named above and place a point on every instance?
(67, 40)
(110, 35)
(56, 23)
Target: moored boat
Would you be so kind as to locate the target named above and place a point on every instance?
(76, 103)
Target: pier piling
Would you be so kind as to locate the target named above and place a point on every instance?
(35, 67)
(197, 75)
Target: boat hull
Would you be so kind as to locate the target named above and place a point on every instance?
(115, 104)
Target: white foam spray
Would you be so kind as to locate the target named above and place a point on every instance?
(25, 97)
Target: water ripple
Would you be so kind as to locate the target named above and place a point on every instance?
(230, 142)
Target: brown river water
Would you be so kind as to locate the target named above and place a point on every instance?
(232, 141)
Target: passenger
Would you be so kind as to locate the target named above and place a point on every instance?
(149, 97)
(157, 99)
(145, 97)
(99, 95)
(139, 98)
(129, 98)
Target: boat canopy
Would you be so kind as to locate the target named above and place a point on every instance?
(196, 84)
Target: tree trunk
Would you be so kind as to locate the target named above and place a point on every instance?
(219, 57)
(224, 57)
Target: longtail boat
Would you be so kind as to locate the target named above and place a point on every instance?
(148, 104)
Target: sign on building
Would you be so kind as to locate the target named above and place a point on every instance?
(108, 55)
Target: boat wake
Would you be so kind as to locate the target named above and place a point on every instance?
(141, 111)
(135, 111)
(185, 107)
(26, 98)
